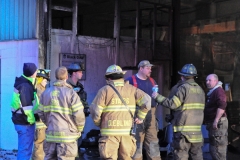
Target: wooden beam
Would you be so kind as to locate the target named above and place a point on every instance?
(229, 26)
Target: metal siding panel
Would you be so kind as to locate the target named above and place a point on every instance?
(30, 22)
(7, 20)
(11, 19)
(21, 20)
(2, 19)
(16, 17)
(26, 19)
(34, 18)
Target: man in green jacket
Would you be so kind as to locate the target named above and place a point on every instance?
(23, 108)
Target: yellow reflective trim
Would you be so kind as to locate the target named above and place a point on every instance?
(99, 107)
(187, 128)
(141, 114)
(51, 138)
(80, 128)
(77, 107)
(120, 108)
(194, 106)
(118, 83)
(140, 101)
(176, 101)
(115, 132)
(40, 125)
(195, 138)
(160, 98)
(57, 109)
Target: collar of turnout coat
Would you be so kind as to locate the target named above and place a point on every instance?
(118, 82)
(61, 83)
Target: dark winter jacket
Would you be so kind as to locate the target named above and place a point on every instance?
(24, 101)
(217, 99)
(80, 91)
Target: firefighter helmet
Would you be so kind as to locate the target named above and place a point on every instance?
(75, 67)
(43, 73)
(188, 70)
(114, 69)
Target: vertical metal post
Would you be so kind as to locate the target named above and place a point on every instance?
(49, 32)
(154, 31)
(176, 39)
(150, 28)
(170, 21)
(137, 33)
(74, 24)
(140, 24)
(116, 32)
(45, 31)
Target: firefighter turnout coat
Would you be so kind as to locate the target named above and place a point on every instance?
(113, 117)
(62, 112)
(187, 104)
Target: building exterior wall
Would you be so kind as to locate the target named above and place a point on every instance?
(13, 54)
(17, 19)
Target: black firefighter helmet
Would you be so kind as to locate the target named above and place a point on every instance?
(43, 73)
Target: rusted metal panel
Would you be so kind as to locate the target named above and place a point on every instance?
(211, 28)
(17, 19)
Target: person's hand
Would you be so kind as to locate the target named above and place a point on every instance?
(154, 95)
(138, 121)
(215, 123)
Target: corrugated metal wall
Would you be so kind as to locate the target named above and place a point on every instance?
(17, 19)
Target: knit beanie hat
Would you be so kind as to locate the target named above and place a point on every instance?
(29, 69)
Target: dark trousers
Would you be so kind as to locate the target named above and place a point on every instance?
(184, 149)
(146, 136)
(60, 151)
(218, 139)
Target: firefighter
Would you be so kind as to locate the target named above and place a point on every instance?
(62, 112)
(39, 136)
(187, 105)
(75, 74)
(112, 110)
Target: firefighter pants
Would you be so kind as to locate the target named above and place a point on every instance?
(218, 139)
(25, 141)
(117, 147)
(39, 137)
(184, 149)
(146, 136)
(60, 151)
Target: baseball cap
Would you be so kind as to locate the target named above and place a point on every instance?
(145, 63)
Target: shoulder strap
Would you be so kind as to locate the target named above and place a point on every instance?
(152, 81)
(121, 99)
(134, 81)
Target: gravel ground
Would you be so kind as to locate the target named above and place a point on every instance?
(8, 154)
(11, 155)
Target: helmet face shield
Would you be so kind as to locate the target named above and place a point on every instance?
(188, 70)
